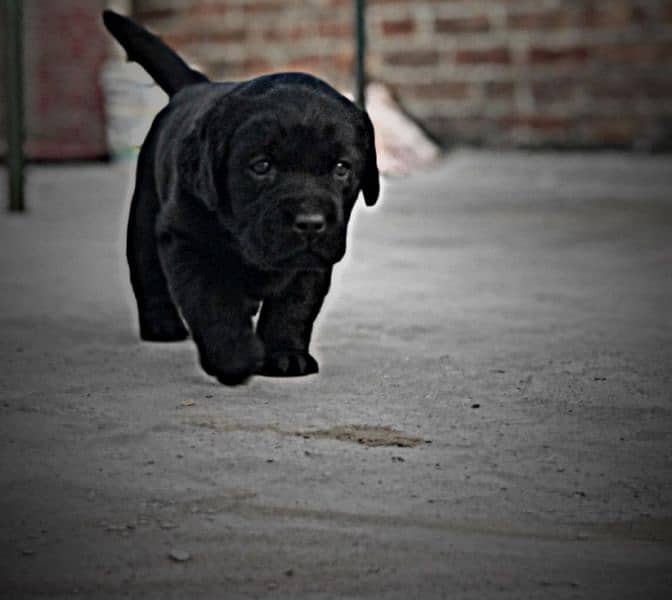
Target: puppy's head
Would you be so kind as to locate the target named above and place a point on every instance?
(286, 158)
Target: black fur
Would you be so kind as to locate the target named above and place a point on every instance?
(166, 67)
(242, 198)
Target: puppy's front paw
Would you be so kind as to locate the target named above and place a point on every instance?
(289, 364)
(163, 328)
(232, 362)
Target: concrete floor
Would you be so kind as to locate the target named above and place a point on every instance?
(493, 418)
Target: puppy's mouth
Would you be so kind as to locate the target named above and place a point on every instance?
(263, 246)
(309, 256)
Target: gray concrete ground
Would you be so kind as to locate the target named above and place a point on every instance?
(504, 318)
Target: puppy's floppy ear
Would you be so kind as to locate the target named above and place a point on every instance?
(371, 177)
(199, 159)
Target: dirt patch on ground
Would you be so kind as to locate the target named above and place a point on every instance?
(365, 435)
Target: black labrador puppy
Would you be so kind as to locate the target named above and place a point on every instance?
(242, 197)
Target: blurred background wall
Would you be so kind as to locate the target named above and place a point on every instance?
(570, 73)
(64, 50)
(502, 73)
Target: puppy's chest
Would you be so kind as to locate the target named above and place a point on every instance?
(264, 284)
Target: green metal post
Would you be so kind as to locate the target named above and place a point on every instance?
(360, 53)
(14, 119)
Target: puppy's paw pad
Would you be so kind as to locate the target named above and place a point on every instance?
(163, 331)
(289, 364)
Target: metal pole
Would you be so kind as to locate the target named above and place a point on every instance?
(14, 98)
(360, 46)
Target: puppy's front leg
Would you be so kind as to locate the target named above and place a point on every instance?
(208, 291)
(286, 324)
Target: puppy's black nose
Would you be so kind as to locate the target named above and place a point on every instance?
(310, 223)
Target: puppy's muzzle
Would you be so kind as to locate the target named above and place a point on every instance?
(311, 219)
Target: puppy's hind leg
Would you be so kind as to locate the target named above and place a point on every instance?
(159, 319)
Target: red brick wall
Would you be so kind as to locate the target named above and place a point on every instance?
(530, 72)
(565, 73)
(238, 38)
(64, 49)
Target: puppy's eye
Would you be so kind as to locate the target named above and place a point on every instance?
(261, 167)
(342, 169)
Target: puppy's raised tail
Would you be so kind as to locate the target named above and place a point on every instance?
(163, 64)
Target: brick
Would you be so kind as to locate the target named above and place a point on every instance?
(656, 89)
(667, 13)
(456, 25)
(602, 89)
(538, 122)
(616, 13)
(264, 7)
(214, 37)
(471, 130)
(250, 66)
(209, 8)
(571, 54)
(396, 27)
(554, 90)
(616, 131)
(419, 2)
(546, 20)
(254, 65)
(627, 90)
(335, 29)
(498, 55)
(499, 89)
(646, 54)
(412, 58)
(450, 90)
(293, 33)
(317, 63)
(154, 14)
